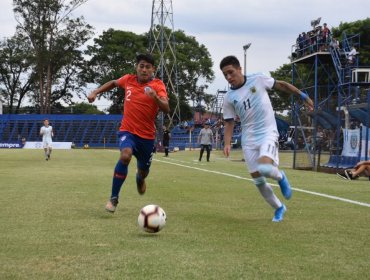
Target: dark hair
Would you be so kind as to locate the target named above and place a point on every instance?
(229, 60)
(146, 57)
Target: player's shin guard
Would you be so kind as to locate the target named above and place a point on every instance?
(267, 192)
(119, 176)
(269, 171)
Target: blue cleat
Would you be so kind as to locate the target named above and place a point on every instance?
(279, 214)
(286, 190)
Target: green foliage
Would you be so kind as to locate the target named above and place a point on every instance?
(113, 55)
(16, 76)
(281, 101)
(195, 71)
(85, 108)
(361, 27)
(218, 225)
(55, 41)
(304, 76)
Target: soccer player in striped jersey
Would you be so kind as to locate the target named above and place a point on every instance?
(248, 99)
(144, 97)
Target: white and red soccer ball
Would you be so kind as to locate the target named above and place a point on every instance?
(152, 218)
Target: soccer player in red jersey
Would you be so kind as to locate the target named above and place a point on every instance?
(144, 97)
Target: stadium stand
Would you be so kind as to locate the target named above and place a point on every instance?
(100, 130)
(94, 130)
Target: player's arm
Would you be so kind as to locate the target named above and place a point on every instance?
(106, 87)
(41, 131)
(228, 134)
(289, 88)
(161, 101)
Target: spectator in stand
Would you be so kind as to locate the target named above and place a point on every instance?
(306, 43)
(301, 44)
(352, 56)
(362, 168)
(318, 39)
(325, 35)
(334, 43)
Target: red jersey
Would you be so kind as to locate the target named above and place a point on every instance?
(139, 109)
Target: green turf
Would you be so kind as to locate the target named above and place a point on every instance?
(53, 224)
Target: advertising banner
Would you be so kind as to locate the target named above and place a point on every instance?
(55, 145)
(6, 145)
(365, 150)
(351, 142)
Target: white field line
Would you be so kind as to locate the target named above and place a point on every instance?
(248, 179)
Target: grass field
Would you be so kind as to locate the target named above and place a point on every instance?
(53, 224)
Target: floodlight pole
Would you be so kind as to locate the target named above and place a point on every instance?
(245, 48)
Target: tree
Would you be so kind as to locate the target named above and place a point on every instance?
(85, 108)
(16, 76)
(55, 39)
(281, 102)
(113, 55)
(194, 73)
(304, 77)
(361, 27)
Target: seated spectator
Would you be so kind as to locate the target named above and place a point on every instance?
(351, 57)
(362, 168)
(334, 43)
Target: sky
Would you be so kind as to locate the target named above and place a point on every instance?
(272, 26)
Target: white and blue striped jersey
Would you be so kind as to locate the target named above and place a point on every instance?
(253, 106)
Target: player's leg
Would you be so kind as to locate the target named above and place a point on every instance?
(265, 189)
(208, 148)
(166, 150)
(355, 173)
(144, 154)
(120, 170)
(201, 152)
(50, 149)
(267, 193)
(45, 146)
(267, 166)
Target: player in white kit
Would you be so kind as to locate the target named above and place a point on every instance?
(47, 134)
(248, 99)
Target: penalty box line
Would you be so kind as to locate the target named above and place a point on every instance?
(248, 179)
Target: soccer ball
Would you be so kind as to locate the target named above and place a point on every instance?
(152, 218)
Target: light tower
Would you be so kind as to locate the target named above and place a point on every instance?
(245, 48)
(162, 45)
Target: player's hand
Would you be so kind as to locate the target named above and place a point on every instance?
(150, 92)
(309, 104)
(307, 100)
(227, 150)
(91, 97)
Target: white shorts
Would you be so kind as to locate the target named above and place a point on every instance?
(268, 149)
(48, 143)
